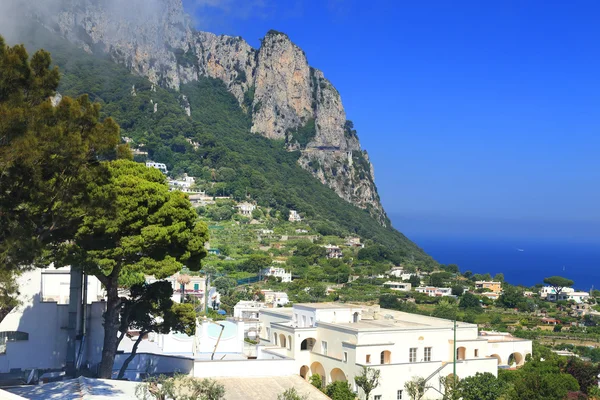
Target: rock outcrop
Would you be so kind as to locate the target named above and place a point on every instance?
(288, 99)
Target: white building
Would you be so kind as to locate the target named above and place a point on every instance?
(183, 185)
(333, 251)
(577, 297)
(34, 334)
(294, 216)
(160, 166)
(337, 340)
(404, 287)
(546, 290)
(247, 309)
(55, 283)
(246, 209)
(277, 272)
(278, 299)
(434, 291)
(397, 272)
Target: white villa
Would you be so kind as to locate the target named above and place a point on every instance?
(183, 185)
(404, 287)
(246, 209)
(294, 216)
(277, 272)
(337, 340)
(566, 294)
(333, 251)
(160, 166)
(434, 291)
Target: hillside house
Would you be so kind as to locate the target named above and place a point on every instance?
(294, 216)
(183, 185)
(354, 242)
(495, 287)
(550, 291)
(277, 272)
(337, 340)
(333, 251)
(434, 291)
(246, 209)
(159, 166)
(401, 286)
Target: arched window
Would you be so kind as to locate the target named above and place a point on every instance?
(275, 338)
(289, 342)
(307, 344)
(385, 357)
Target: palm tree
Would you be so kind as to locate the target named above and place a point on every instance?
(183, 280)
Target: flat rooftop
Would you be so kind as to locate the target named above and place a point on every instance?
(267, 388)
(326, 306)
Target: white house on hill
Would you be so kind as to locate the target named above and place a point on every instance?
(337, 340)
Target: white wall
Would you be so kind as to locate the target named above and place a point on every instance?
(145, 363)
(246, 368)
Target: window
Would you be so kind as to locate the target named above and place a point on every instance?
(476, 352)
(377, 397)
(311, 321)
(11, 336)
(412, 355)
(323, 348)
(399, 395)
(345, 356)
(368, 359)
(289, 343)
(196, 287)
(303, 321)
(427, 356)
(268, 333)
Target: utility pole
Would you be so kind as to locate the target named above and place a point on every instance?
(454, 353)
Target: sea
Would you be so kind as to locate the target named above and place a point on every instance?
(522, 261)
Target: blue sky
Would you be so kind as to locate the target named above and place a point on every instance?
(480, 117)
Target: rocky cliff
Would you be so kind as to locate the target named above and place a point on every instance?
(287, 99)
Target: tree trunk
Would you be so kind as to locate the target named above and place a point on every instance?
(131, 356)
(111, 326)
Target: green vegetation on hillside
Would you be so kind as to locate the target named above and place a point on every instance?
(262, 169)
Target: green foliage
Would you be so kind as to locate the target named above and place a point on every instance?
(470, 301)
(180, 387)
(316, 381)
(458, 290)
(416, 388)
(264, 169)
(445, 309)
(481, 387)
(558, 283)
(303, 134)
(538, 379)
(292, 394)
(586, 373)
(47, 156)
(378, 253)
(9, 289)
(149, 308)
(135, 225)
(510, 297)
(368, 380)
(439, 279)
(339, 390)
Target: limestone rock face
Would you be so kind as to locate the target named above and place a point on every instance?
(286, 98)
(282, 95)
(229, 59)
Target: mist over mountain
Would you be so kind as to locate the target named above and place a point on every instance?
(286, 98)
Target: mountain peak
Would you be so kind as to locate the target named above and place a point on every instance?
(287, 99)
